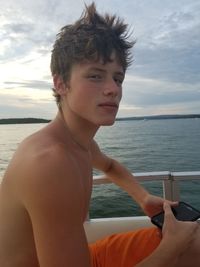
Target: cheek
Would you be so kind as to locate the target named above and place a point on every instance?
(81, 98)
(88, 93)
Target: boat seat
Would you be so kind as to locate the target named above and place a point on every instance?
(98, 228)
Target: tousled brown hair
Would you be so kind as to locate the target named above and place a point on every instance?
(92, 37)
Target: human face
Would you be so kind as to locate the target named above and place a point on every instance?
(94, 91)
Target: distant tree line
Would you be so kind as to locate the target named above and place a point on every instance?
(22, 120)
(156, 117)
(161, 117)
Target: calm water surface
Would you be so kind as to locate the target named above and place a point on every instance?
(143, 146)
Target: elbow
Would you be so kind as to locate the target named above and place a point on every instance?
(109, 167)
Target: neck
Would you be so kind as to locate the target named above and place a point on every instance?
(80, 131)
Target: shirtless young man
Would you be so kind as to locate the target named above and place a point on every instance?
(46, 189)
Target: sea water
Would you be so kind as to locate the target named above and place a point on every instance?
(142, 146)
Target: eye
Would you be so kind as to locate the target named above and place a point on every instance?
(118, 80)
(95, 77)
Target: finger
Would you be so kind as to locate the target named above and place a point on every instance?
(169, 218)
(172, 203)
(167, 210)
(166, 207)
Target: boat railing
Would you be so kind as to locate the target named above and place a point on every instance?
(100, 227)
(170, 181)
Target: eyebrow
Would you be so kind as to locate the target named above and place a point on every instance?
(121, 73)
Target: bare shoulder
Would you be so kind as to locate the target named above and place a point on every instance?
(52, 168)
(42, 169)
(50, 188)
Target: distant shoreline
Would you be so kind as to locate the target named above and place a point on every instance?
(155, 117)
(22, 121)
(161, 117)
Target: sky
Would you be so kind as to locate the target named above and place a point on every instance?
(163, 79)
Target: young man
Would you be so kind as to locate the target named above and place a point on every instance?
(46, 189)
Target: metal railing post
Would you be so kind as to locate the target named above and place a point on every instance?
(175, 191)
(167, 190)
(171, 190)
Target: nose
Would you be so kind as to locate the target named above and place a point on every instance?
(112, 88)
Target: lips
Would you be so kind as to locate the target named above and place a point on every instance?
(109, 104)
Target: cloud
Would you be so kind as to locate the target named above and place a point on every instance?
(166, 67)
(171, 51)
(16, 39)
(17, 29)
(46, 111)
(28, 84)
(149, 99)
(168, 64)
(26, 104)
(144, 94)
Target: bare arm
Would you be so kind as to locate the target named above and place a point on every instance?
(118, 174)
(122, 177)
(53, 198)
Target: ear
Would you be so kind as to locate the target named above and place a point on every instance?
(59, 85)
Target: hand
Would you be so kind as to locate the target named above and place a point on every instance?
(173, 249)
(180, 235)
(152, 205)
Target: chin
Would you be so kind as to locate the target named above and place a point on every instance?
(107, 122)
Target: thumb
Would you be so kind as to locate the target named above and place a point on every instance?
(168, 212)
(169, 219)
(166, 207)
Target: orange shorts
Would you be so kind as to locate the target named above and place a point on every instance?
(124, 249)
